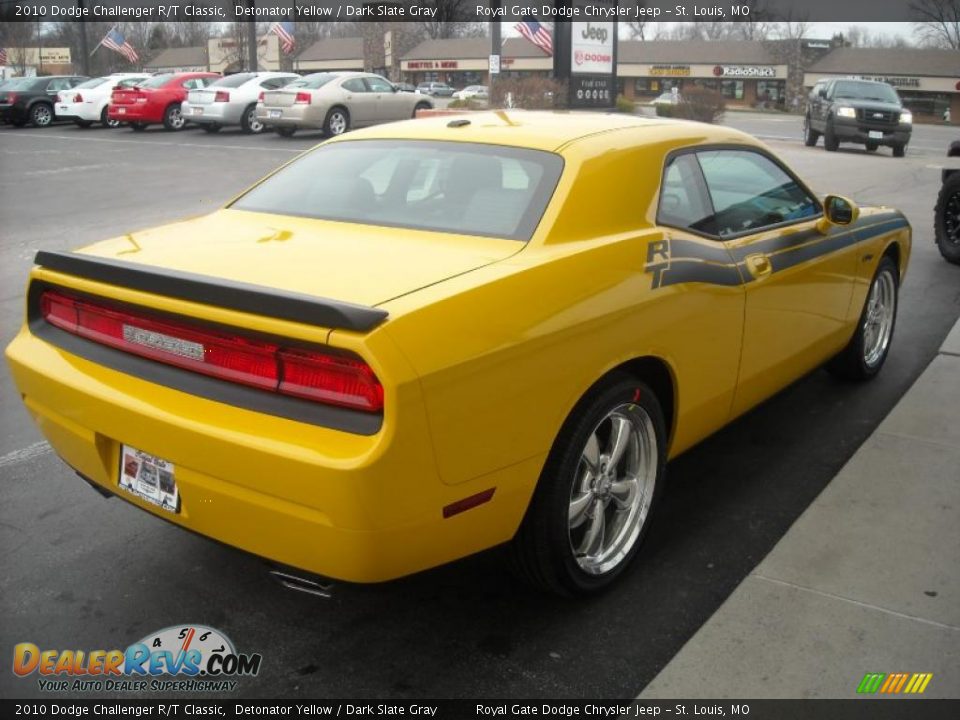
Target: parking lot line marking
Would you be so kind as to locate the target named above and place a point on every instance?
(142, 142)
(24, 454)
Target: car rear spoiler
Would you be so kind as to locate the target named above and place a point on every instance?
(245, 297)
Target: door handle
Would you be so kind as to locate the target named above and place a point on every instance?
(759, 265)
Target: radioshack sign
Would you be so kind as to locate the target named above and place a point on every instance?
(744, 71)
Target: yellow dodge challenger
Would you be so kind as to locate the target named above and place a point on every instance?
(424, 339)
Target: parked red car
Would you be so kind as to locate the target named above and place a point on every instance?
(156, 100)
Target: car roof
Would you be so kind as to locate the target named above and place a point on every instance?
(543, 130)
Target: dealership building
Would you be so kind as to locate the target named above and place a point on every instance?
(746, 73)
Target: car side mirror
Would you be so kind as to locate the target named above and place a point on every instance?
(838, 210)
(823, 92)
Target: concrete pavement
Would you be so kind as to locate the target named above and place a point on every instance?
(866, 580)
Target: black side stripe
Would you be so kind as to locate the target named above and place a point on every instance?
(689, 261)
(246, 297)
(687, 270)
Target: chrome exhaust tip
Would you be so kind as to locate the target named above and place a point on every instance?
(318, 587)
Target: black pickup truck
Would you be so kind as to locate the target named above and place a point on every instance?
(866, 112)
(946, 213)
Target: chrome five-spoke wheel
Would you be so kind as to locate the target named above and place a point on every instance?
(613, 489)
(878, 320)
(597, 491)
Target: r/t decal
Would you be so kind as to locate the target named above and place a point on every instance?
(658, 260)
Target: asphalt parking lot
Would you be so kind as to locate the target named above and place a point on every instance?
(84, 572)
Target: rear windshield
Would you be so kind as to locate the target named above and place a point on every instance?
(157, 81)
(25, 83)
(312, 82)
(865, 91)
(233, 81)
(464, 188)
(96, 82)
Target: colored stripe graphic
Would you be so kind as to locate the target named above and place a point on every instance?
(894, 683)
(871, 683)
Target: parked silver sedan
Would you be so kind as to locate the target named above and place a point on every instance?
(232, 100)
(335, 102)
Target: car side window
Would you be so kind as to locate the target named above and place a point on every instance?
(749, 192)
(684, 202)
(379, 85)
(354, 85)
(58, 84)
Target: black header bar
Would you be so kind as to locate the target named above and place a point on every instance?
(852, 11)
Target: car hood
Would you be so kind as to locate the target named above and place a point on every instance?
(360, 264)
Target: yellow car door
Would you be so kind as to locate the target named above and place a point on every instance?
(798, 279)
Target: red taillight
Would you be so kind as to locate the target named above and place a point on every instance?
(302, 97)
(78, 98)
(11, 98)
(260, 97)
(309, 374)
(221, 96)
(330, 379)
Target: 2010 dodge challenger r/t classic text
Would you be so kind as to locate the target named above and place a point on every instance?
(425, 339)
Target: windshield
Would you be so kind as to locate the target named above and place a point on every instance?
(464, 188)
(312, 82)
(157, 81)
(233, 81)
(866, 91)
(96, 82)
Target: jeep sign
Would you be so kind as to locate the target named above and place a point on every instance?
(591, 48)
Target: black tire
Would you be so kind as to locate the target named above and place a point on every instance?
(946, 219)
(286, 131)
(851, 363)
(83, 123)
(421, 106)
(830, 141)
(542, 550)
(173, 120)
(810, 136)
(337, 122)
(872, 147)
(105, 119)
(210, 127)
(41, 114)
(249, 122)
(899, 150)
(138, 126)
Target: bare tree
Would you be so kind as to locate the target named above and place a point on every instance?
(451, 18)
(637, 29)
(938, 22)
(190, 34)
(17, 37)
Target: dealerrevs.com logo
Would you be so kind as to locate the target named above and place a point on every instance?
(188, 658)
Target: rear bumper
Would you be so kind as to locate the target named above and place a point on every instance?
(853, 131)
(13, 113)
(312, 116)
(351, 507)
(209, 113)
(78, 111)
(134, 112)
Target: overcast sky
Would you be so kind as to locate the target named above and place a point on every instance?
(818, 30)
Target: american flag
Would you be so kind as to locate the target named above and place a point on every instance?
(3, 56)
(284, 31)
(115, 41)
(536, 33)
